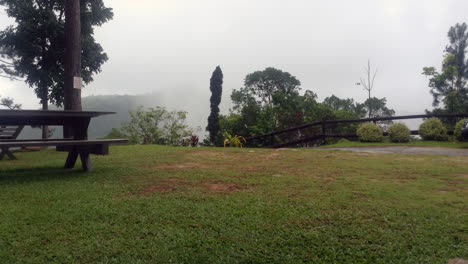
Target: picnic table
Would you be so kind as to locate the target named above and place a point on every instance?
(75, 141)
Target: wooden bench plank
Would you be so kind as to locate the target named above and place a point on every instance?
(40, 143)
(26, 140)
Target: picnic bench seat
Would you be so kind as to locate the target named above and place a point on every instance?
(82, 148)
(8, 133)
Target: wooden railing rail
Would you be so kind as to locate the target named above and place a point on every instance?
(323, 124)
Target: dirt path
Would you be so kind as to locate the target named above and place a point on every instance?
(406, 150)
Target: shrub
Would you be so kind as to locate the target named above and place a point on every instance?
(370, 132)
(433, 129)
(399, 133)
(458, 129)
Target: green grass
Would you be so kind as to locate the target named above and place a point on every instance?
(419, 143)
(153, 204)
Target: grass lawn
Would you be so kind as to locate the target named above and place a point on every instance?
(153, 204)
(419, 143)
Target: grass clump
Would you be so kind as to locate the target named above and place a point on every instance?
(370, 132)
(399, 133)
(433, 129)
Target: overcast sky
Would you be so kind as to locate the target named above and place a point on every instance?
(171, 47)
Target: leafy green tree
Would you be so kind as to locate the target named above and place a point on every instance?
(216, 87)
(33, 49)
(264, 84)
(347, 105)
(175, 128)
(378, 107)
(449, 86)
(115, 133)
(156, 126)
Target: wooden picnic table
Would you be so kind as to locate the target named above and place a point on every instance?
(75, 140)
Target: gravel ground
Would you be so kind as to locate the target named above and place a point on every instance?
(406, 150)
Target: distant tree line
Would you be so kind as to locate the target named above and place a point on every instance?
(271, 100)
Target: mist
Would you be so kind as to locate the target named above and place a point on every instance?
(169, 48)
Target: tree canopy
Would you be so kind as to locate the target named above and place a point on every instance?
(155, 126)
(9, 103)
(449, 86)
(271, 100)
(264, 84)
(33, 48)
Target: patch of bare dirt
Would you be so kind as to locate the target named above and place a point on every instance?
(224, 187)
(180, 166)
(457, 261)
(463, 176)
(206, 153)
(253, 169)
(168, 185)
(454, 185)
(163, 186)
(272, 156)
(157, 188)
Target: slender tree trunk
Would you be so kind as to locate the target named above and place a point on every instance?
(72, 96)
(45, 106)
(370, 109)
(370, 85)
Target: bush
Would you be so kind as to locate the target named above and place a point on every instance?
(433, 129)
(370, 132)
(399, 133)
(458, 129)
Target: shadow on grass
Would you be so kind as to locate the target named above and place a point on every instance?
(21, 175)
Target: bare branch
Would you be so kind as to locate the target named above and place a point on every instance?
(10, 77)
(6, 62)
(373, 78)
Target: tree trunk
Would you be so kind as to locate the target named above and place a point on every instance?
(45, 107)
(72, 96)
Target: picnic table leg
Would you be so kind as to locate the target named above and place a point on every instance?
(78, 129)
(86, 161)
(6, 151)
(71, 159)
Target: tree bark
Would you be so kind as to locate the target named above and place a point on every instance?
(45, 107)
(72, 96)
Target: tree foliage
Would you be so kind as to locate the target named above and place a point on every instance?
(266, 104)
(265, 84)
(9, 103)
(449, 86)
(346, 105)
(216, 87)
(33, 49)
(155, 126)
(378, 107)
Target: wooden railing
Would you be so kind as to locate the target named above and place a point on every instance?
(322, 125)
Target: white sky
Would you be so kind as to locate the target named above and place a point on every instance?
(171, 47)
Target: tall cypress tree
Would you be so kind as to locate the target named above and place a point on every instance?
(216, 87)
